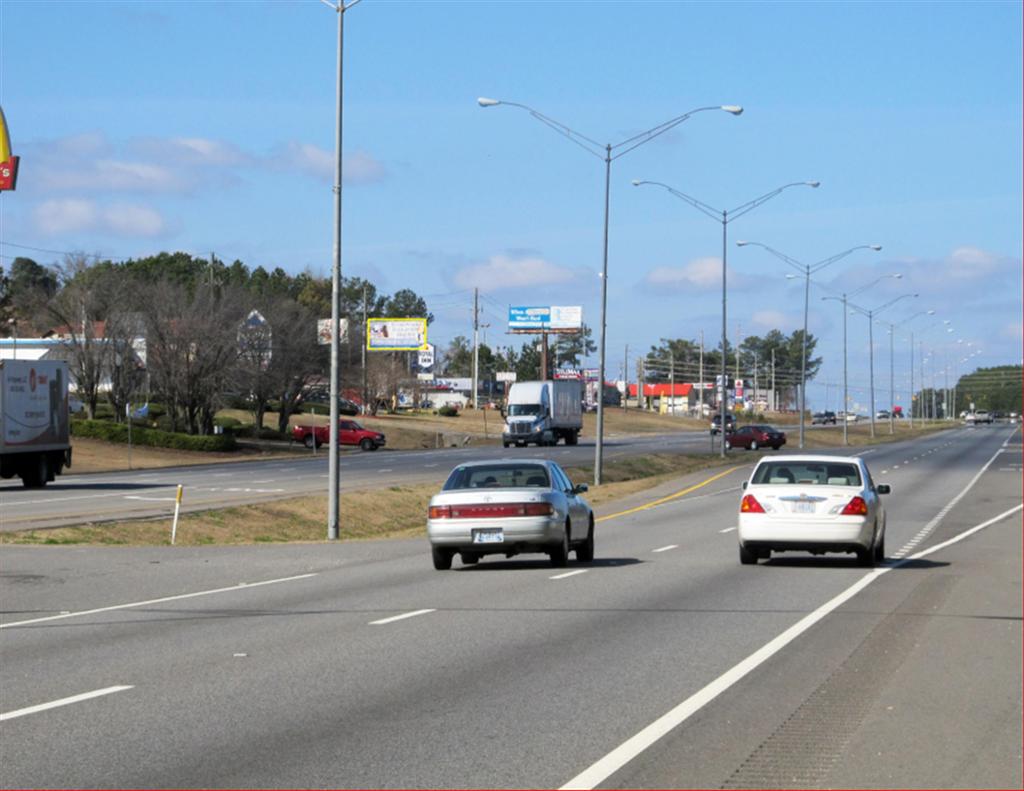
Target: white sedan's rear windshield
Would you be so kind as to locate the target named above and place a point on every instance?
(808, 473)
(491, 476)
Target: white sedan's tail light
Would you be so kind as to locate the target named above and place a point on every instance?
(856, 507)
(750, 505)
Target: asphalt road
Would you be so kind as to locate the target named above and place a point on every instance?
(664, 663)
(76, 499)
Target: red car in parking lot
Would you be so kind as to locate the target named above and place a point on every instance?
(754, 437)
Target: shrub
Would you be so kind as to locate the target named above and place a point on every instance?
(448, 411)
(118, 432)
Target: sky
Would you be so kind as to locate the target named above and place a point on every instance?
(209, 127)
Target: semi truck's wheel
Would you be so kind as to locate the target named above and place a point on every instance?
(571, 438)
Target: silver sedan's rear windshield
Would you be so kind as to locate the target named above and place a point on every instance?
(808, 473)
(491, 476)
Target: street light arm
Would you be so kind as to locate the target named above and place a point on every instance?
(832, 259)
(781, 256)
(876, 281)
(587, 144)
(710, 211)
(645, 137)
(742, 209)
(892, 302)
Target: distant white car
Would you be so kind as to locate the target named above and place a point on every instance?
(814, 504)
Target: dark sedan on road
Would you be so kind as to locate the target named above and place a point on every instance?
(754, 437)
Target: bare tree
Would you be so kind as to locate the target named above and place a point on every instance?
(77, 310)
(192, 350)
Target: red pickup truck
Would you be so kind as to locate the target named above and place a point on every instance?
(349, 433)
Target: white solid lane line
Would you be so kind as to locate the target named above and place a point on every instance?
(568, 574)
(53, 704)
(239, 586)
(602, 769)
(666, 549)
(401, 617)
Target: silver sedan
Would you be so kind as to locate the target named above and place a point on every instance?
(506, 508)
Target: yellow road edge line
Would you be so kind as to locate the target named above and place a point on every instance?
(661, 500)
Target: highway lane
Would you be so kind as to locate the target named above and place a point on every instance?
(507, 674)
(75, 499)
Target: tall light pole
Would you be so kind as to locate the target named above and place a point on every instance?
(808, 270)
(893, 326)
(605, 152)
(871, 345)
(843, 299)
(334, 484)
(725, 216)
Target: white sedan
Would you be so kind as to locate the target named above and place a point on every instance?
(509, 507)
(814, 504)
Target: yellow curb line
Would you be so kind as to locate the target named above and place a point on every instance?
(712, 479)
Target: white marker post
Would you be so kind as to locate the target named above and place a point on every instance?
(177, 508)
(128, 417)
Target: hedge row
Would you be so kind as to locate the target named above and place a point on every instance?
(118, 432)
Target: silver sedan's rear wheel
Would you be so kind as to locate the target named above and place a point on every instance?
(585, 552)
(442, 558)
(560, 553)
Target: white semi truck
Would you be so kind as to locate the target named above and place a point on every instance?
(542, 413)
(34, 439)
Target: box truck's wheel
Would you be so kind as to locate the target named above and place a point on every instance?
(35, 473)
(571, 438)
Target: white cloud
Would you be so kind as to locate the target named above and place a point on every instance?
(76, 215)
(126, 220)
(357, 168)
(92, 163)
(65, 216)
(772, 320)
(502, 271)
(700, 274)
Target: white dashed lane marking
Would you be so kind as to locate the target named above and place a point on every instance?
(666, 549)
(569, 574)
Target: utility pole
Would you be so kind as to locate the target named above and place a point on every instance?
(366, 380)
(476, 345)
(625, 378)
(775, 397)
(672, 381)
(700, 374)
(755, 378)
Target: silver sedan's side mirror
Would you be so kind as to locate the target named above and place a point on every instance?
(580, 488)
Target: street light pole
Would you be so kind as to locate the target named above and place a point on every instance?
(893, 326)
(807, 271)
(605, 153)
(713, 213)
(846, 398)
(334, 485)
(871, 345)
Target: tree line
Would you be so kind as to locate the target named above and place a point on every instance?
(201, 345)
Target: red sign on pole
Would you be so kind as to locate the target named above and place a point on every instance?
(8, 162)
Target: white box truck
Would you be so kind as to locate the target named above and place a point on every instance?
(543, 412)
(34, 441)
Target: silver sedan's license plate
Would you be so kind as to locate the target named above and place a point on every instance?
(803, 508)
(488, 535)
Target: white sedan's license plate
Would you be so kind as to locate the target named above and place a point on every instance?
(803, 508)
(488, 535)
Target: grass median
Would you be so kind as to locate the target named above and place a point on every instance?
(400, 511)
